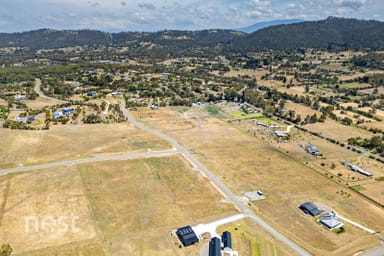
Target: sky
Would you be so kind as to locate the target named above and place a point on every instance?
(155, 15)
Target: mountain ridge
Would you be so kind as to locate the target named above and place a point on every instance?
(260, 25)
(331, 33)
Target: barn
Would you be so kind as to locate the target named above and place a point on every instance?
(187, 236)
(227, 239)
(215, 247)
(310, 208)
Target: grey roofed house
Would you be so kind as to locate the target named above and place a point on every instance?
(187, 236)
(330, 221)
(313, 150)
(215, 247)
(310, 208)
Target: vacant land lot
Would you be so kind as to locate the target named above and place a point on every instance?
(249, 239)
(123, 208)
(137, 203)
(55, 193)
(333, 129)
(73, 141)
(246, 164)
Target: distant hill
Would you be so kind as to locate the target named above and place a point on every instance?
(331, 33)
(53, 39)
(265, 24)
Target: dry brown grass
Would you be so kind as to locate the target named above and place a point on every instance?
(87, 248)
(137, 203)
(124, 208)
(45, 193)
(40, 103)
(333, 129)
(249, 239)
(245, 163)
(73, 141)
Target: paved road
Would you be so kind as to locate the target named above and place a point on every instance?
(216, 182)
(98, 158)
(212, 226)
(374, 252)
(41, 94)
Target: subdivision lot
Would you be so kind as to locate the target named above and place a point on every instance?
(73, 141)
(251, 240)
(31, 197)
(123, 208)
(137, 203)
(247, 164)
(86, 248)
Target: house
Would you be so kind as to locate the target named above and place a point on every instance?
(330, 221)
(24, 119)
(57, 114)
(187, 236)
(310, 208)
(91, 94)
(227, 239)
(313, 150)
(20, 97)
(115, 93)
(215, 247)
(67, 111)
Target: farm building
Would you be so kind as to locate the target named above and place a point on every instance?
(187, 236)
(227, 239)
(310, 208)
(280, 134)
(358, 169)
(331, 221)
(215, 247)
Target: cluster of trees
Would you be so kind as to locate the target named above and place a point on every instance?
(376, 143)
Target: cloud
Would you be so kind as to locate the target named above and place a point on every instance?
(353, 4)
(147, 6)
(123, 3)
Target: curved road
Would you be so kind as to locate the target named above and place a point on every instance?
(41, 94)
(216, 182)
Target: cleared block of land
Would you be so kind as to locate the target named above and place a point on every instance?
(137, 203)
(87, 248)
(32, 197)
(73, 141)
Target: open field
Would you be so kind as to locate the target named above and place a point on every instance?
(251, 240)
(53, 193)
(137, 203)
(247, 164)
(73, 141)
(123, 208)
(332, 129)
(86, 248)
(40, 103)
